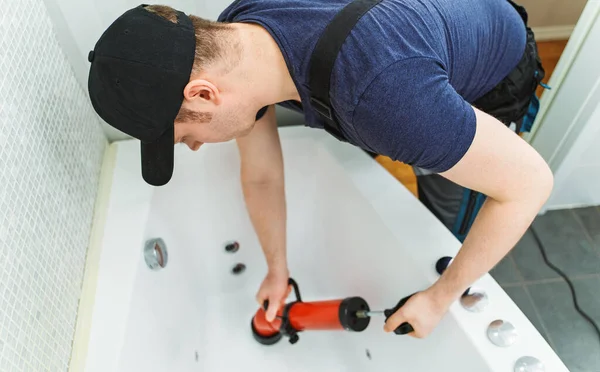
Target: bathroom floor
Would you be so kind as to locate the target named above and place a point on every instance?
(572, 242)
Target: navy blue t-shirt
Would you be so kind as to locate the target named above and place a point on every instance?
(405, 77)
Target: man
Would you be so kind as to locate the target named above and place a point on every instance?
(406, 84)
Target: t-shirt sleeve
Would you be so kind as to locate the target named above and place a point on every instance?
(411, 113)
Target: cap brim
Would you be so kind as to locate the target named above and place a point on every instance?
(158, 159)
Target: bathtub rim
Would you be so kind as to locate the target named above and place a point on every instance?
(87, 299)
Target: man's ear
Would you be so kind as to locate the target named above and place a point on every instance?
(203, 90)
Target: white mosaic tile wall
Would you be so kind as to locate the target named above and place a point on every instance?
(51, 148)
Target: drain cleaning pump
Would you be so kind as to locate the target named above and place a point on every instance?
(350, 314)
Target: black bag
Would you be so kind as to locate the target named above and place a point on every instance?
(509, 101)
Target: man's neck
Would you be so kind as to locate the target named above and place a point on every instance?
(265, 63)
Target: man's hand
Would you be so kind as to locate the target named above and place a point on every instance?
(423, 312)
(275, 289)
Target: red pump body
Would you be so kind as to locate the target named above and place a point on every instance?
(303, 316)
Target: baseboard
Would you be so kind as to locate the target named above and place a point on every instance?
(567, 206)
(92, 262)
(553, 32)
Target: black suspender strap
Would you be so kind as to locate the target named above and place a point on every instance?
(323, 58)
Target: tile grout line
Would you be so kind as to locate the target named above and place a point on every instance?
(520, 281)
(537, 313)
(555, 280)
(511, 285)
(580, 223)
(585, 232)
(514, 263)
(535, 308)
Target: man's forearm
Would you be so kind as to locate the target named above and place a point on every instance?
(495, 231)
(267, 209)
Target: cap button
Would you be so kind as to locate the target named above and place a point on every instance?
(91, 55)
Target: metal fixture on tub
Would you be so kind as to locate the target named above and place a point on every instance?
(155, 254)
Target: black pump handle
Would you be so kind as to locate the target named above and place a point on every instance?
(404, 328)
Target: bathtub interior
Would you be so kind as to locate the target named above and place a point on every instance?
(194, 315)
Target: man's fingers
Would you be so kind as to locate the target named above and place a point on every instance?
(272, 310)
(394, 321)
(275, 301)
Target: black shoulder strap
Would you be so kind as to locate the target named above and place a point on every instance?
(324, 56)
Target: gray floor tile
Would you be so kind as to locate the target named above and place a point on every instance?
(590, 217)
(505, 272)
(520, 297)
(576, 342)
(528, 259)
(566, 243)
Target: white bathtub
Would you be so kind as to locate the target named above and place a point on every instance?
(353, 230)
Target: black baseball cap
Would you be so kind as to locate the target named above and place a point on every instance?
(139, 69)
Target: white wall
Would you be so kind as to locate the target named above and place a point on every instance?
(553, 19)
(79, 24)
(567, 132)
(549, 13)
(578, 178)
(51, 149)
